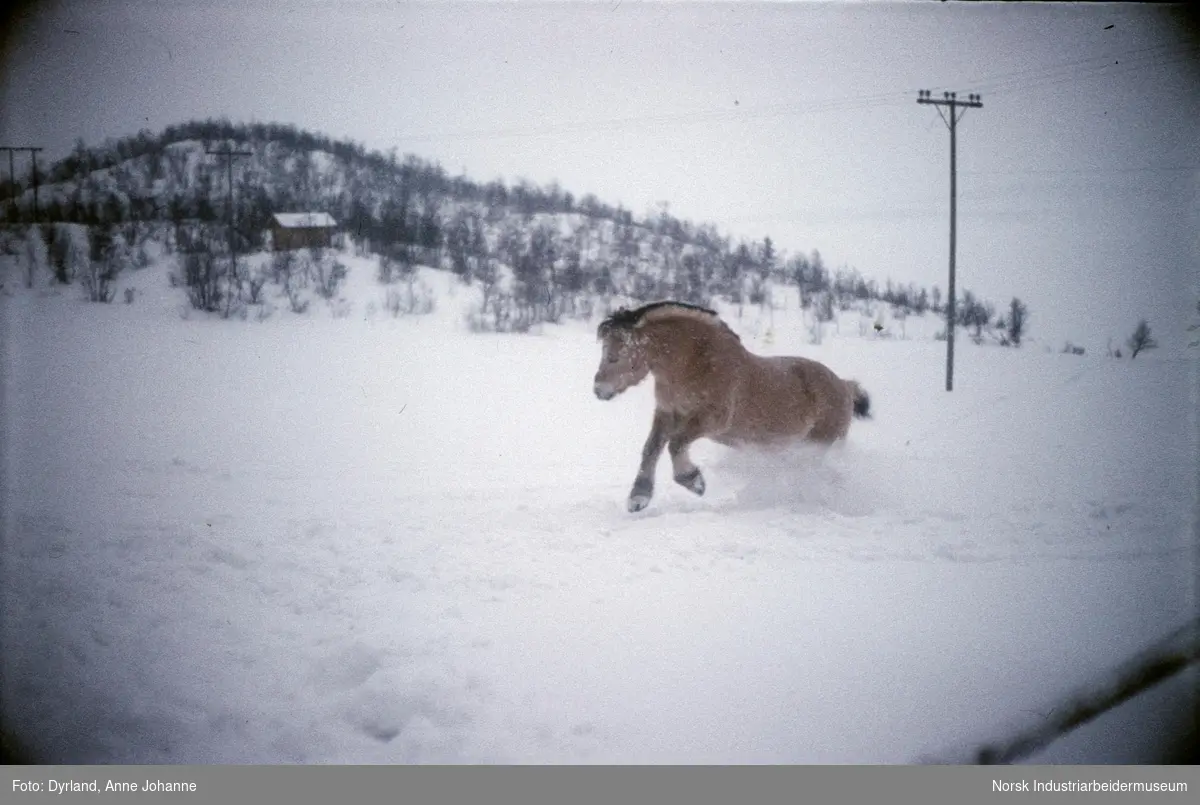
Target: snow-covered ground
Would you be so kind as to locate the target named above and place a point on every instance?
(377, 540)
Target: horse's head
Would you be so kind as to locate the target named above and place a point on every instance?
(622, 359)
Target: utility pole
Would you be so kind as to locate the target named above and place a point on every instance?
(12, 177)
(12, 181)
(950, 100)
(229, 155)
(33, 158)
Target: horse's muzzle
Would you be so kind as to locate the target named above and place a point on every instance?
(604, 391)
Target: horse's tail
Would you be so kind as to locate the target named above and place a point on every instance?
(862, 400)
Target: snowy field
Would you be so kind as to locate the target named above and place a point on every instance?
(320, 540)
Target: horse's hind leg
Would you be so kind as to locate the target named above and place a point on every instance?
(686, 473)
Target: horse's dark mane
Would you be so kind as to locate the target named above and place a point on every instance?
(625, 319)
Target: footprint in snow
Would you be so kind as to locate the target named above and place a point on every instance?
(421, 728)
(226, 557)
(1105, 512)
(346, 668)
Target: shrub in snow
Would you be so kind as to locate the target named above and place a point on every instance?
(501, 313)
(297, 303)
(585, 307)
(10, 243)
(254, 286)
(814, 332)
(263, 311)
(396, 262)
(141, 257)
(972, 312)
(106, 260)
(1017, 321)
(283, 264)
(330, 273)
(66, 254)
(757, 292)
(1141, 340)
(35, 255)
(202, 277)
(413, 298)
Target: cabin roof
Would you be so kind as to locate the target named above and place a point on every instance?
(305, 220)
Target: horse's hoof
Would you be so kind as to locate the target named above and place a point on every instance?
(639, 496)
(692, 481)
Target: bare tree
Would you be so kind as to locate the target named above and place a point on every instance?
(283, 265)
(412, 298)
(256, 284)
(974, 312)
(330, 272)
(1141, 340)
(1018, 316)
(36, 258)
(100, 272)
(65, 255)
(202, 275)
(822, 313)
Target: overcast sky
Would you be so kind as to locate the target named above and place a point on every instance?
(1077, 179)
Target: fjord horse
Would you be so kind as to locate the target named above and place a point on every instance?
(708, 385)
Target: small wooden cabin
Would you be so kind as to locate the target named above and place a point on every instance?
(302, 230)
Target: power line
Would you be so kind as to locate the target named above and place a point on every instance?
(995, 83)
(684, 118)
(1084, 171)
(1004, 83)
(1097, 72)
(950, 101)
(928, 206)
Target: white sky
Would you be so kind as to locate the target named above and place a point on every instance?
(1077, 180)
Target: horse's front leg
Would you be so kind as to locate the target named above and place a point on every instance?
(643, 484)
(686, 473)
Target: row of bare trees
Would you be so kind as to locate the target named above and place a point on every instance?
(217, 284)
(385, 200)
(546, 248)
(90, 257)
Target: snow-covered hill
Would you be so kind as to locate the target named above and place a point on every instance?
(413, 210)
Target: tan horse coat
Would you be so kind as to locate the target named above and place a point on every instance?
(708, 385)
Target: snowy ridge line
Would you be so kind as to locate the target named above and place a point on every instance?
(1155, 664)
